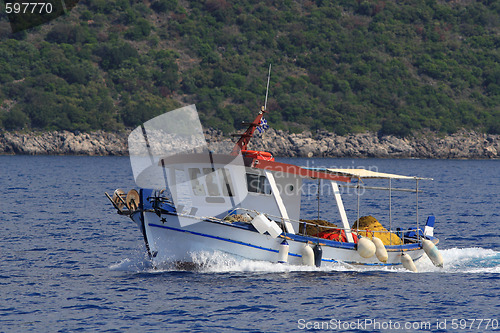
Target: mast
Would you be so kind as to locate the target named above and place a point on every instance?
(245, 137)
(267, 88)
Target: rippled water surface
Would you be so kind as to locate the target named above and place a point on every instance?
(69, 263)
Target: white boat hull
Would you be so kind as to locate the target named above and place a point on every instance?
(167, 241)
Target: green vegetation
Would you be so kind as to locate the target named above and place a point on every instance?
(344, 66)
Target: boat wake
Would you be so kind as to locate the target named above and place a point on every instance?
(218, 262)
(466, 260)
(132, 265)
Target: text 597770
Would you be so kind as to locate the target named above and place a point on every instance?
(28, 7)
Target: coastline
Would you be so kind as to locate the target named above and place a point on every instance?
(460, 145)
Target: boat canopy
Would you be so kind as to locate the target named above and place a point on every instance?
(366, 174)
(303, 172)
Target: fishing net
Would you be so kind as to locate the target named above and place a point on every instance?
(318, 227)
(375, 229)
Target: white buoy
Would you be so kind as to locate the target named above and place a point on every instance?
(366, 248)
(432, 252)
(408, 263)
(283, 252)
(263, 224)
(381, 251)
(307, 255)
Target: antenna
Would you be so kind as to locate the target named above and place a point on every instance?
(267, 90)
(245, 137)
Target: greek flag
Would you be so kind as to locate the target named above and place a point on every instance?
(263, 126)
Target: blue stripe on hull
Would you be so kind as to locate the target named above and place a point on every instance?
(221, 238)
(259, 247)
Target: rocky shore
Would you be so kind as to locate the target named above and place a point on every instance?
(461, 145)
(63, 143)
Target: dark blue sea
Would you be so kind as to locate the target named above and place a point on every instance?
(69, 263)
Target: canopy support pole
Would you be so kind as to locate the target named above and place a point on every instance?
(418, 227)
(357, 194)
(279, 202)
(390, 212)
(343, 215)
(319, 185)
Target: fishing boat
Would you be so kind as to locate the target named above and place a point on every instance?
(194, 197)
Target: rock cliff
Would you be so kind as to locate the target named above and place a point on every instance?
(63, 143)
(461, 145)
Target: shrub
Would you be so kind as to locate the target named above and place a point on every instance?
(15, 119)
(113, 56)
(162, 6)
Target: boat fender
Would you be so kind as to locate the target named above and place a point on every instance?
(263, 224)
(318, 254)
(432, 252)
(307, 255)
(408, 262)
(283, 252)
(366, 248)
(381, 251)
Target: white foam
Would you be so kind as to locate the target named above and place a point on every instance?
(132, 265)
(218, 262)
(466, 260)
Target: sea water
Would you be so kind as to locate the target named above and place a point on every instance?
(70, 263)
